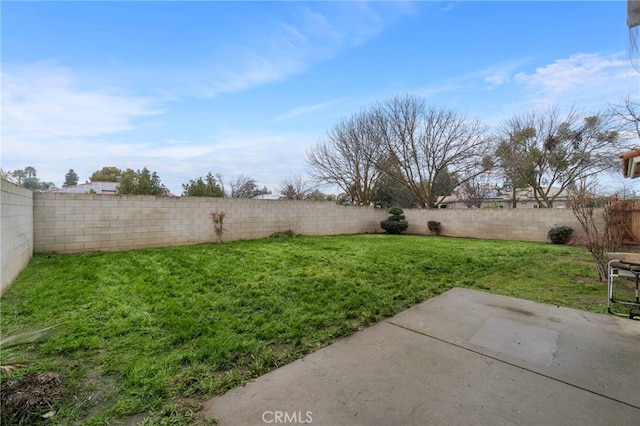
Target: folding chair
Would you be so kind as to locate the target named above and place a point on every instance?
(626, 266)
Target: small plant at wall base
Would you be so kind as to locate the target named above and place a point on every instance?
(217, 218)
(434, 227)
(396, 223)
(284, 234)
(560, 234)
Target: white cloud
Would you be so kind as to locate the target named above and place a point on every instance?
(266, 157)
(447, 7)
(53, 121)
(44, 101)
(306, 109)
(498, 79)
(284, 47)
(580, 76)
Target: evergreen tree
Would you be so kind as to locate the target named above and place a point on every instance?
(141, 183)
(70, 179)
(207, 187)
(107, 174)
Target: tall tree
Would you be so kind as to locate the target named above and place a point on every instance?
(510, 161)
(551, 151)
(429, 150)
(474, 192)
(317, 195)
(107, 174)
(71, 178)
(30, 171)
(246, 187)
(627, 113)
(347, 158)
(27, 179)
(207, 187)
(141, 182)
(19, 175)
(445, 183)
(389, 193)
(294, 188)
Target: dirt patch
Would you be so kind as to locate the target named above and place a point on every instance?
(96, 393)
(31, 398)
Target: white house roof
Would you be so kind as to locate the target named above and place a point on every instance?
(97, 187)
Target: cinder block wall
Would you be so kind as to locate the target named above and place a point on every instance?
(499, 224)
(68, 223)
(16, 205)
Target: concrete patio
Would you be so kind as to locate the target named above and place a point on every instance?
(464, 357)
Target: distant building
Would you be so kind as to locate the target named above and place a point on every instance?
(106, 188)
(499, 198)
(102, 188)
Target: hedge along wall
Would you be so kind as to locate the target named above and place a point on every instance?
(16, 205)
(68, 223)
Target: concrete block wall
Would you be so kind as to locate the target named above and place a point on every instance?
(500, 224)
(16, 227)
(68, 223)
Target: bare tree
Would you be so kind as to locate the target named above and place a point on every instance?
(422, 145)
(347, 158)
(246, 187)
(473, 192)
(549, 150)
(603, 220)
(627, 113)
(294, 188)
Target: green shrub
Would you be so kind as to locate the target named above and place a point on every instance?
(284, 234)
(396, 223)
(560, 234)
(434, 227)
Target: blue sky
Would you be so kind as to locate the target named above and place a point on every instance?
(185, 88)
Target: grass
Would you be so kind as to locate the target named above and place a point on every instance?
(152, 331)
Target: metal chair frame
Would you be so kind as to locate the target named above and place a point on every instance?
(628, 269)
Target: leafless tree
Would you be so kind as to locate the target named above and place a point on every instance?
(552, 151)
(347, 158)
(295, 188)
(473, 192)
(627, 113)
(603, 220)
(422, 144)
(246, 187)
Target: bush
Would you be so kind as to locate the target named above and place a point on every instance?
(560, 234)
(434, 227)
(284, 234)
(396, 223)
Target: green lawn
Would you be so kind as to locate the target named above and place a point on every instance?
(143, 330)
